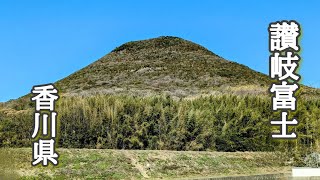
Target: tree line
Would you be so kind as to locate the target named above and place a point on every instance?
(217, 123)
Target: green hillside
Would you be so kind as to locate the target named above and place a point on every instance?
(168, 65)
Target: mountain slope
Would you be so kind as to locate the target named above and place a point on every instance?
(165, 64)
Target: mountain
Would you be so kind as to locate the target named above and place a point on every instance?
(165, 64)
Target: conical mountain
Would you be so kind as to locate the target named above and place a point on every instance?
(165, 64)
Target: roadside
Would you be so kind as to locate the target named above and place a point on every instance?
(142, 164)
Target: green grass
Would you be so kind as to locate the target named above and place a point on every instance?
(138, 164)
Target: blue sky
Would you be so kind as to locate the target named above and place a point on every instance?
(42, 42)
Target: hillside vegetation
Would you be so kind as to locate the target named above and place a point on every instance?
(166, 64)
(214, 123)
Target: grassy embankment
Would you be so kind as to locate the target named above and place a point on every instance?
(139, 164)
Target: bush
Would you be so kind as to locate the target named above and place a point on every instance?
(312, 160)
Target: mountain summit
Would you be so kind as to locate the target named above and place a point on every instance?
(163, 42)
(162, 65)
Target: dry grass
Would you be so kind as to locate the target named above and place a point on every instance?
(140, 164)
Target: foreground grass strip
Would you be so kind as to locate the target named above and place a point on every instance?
(138, 164)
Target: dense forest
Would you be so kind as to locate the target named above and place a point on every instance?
(216, 123)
